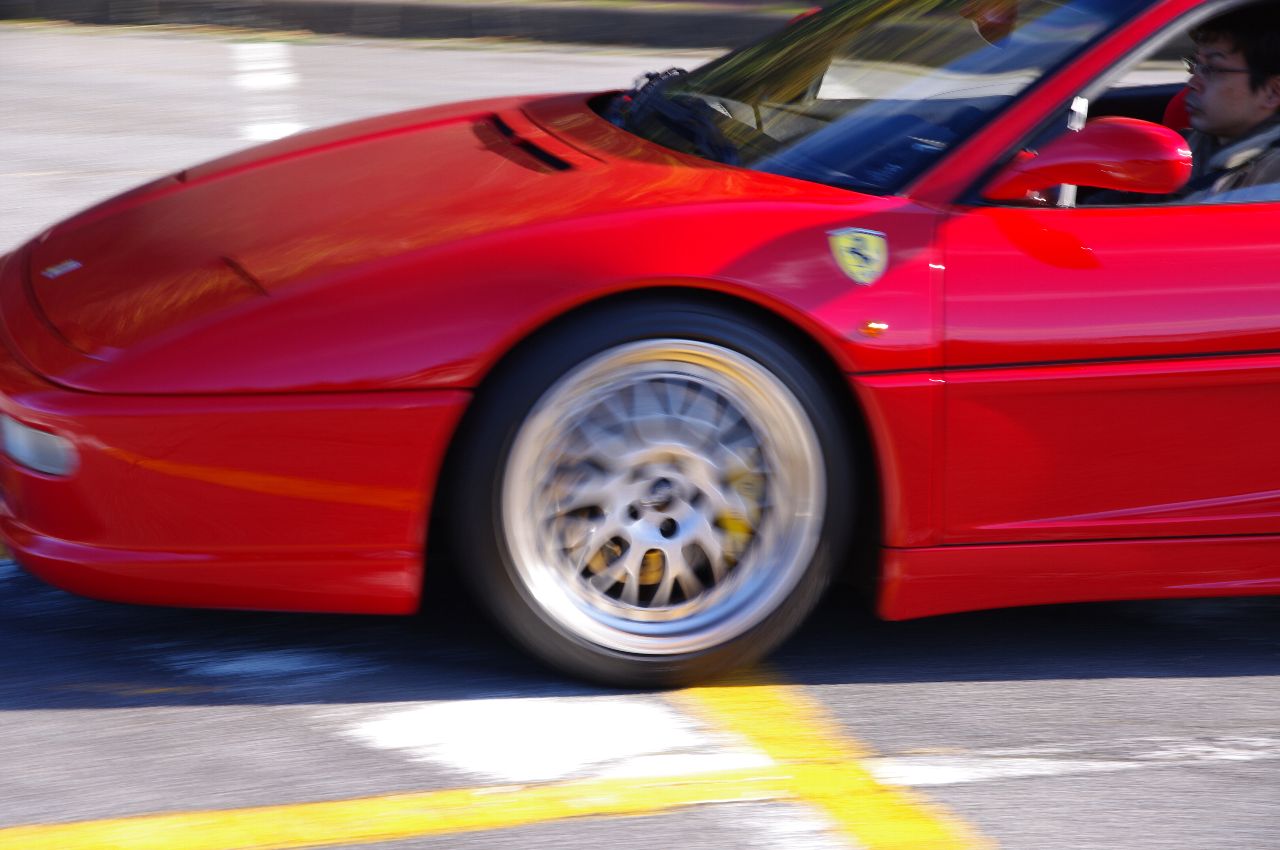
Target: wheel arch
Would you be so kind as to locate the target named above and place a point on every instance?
(862, 566)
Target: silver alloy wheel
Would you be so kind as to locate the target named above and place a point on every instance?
(663, 498)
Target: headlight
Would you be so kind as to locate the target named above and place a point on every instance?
(36, 449)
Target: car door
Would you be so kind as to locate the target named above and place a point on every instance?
(1111, 373)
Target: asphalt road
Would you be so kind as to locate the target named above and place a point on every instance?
(1127, 725)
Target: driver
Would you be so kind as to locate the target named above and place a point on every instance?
(1234, 104)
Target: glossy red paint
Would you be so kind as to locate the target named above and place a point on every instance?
(1114, 450)
(946, 580)
(301, 502)
(1108, 283)
(400, 253)
(1124, 154)
(284, 502)
(1060, 404)
(1111, 381)
(235, 371)
(904, 417)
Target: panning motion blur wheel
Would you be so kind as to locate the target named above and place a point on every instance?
(652, 494)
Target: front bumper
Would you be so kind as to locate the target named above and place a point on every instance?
(308, 502)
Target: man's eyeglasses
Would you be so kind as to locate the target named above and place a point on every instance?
(1207, 71)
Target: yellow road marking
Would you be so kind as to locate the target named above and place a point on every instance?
(397, 817)
(815, 764)
(825, 766)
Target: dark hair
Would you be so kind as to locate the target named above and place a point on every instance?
(1254, 31)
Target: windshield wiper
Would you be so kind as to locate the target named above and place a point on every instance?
(686, 115)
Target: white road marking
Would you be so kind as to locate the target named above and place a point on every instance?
(1106, 757)
(552, 738)
(556, 738)
(953, 770)
(786, 825)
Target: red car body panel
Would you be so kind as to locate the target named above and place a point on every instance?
(1110, 451)
(1160, 420)
(414, 246)
(944, 580)
(194, 397)
(315, 502)
(264, 372)
(904, 417)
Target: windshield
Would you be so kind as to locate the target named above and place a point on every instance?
(869, 93)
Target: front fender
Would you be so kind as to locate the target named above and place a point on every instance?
(441, 318)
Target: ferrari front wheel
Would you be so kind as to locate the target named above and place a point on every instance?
(654, 504)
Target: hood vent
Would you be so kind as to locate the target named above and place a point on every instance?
(547, 159)
(244, 275)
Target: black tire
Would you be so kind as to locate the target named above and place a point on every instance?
(706, 601)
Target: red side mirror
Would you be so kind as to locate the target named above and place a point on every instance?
(1109, 153)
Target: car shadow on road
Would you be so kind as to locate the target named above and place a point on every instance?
(67, 652)
(1178, 638)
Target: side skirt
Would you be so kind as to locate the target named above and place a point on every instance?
(948, 579)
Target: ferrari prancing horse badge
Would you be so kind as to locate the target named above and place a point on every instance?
(861, 254)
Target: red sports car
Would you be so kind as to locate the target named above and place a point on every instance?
(911, 290)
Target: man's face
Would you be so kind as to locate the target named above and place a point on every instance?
(1221, 103)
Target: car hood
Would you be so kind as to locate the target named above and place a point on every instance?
(189, 248)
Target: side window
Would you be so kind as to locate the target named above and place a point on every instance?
(1229, 166)
(1148, 88)
(1152, 89)
(1131, 117)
